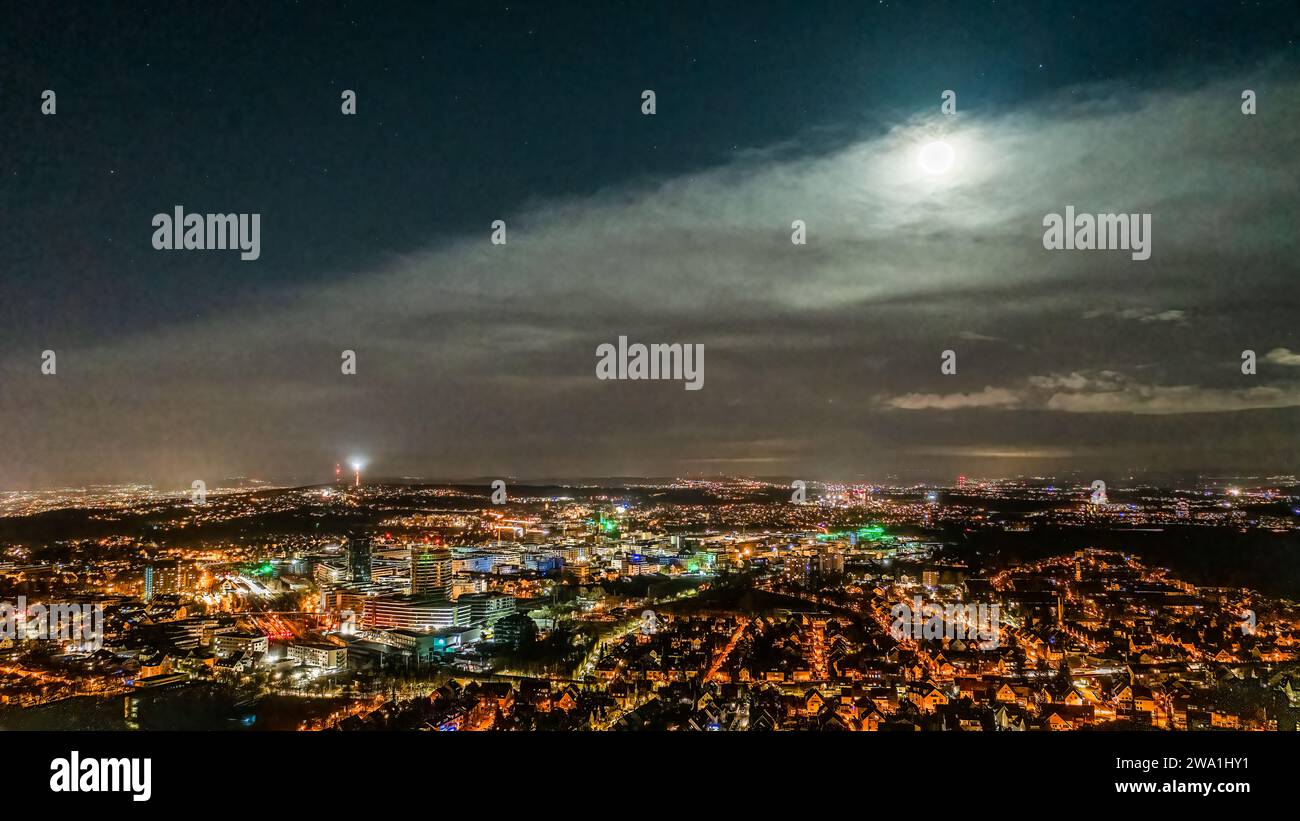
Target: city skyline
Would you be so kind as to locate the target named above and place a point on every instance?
(1063, 480)
(690, 606)
(846, 380)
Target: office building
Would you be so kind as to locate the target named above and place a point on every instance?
(414, 612)
(431, 572)
(358, 570)
(486, 609)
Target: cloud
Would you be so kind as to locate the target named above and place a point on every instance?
(1164, 316)
(1175, 399)
(1107, 392)
(1138, 314)
(1282, 356)
(1075, 381)
(988, 398)
(995, 452)
(474, 357)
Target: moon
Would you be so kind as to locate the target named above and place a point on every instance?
(936, 157)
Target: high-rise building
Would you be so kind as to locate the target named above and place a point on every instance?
(431, 572)
(359, 559)
(166, 578)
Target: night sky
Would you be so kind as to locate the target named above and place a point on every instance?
(822, 360)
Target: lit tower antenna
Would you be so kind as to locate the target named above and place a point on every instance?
(356, 467)
(338, 473)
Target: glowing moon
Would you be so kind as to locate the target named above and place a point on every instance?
(936, 157)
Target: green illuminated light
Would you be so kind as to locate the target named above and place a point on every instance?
(872, 533)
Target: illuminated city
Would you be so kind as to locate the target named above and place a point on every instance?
(617, 406)
(679, 604)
